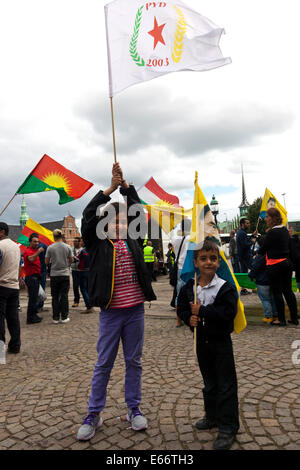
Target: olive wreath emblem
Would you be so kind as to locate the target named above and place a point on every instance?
(181, 28)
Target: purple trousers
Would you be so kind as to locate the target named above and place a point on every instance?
(128, 325)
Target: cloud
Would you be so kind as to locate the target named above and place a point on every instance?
(184, 127)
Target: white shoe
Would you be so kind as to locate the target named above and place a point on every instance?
(66, 320)
(55, 321)
(137, 419)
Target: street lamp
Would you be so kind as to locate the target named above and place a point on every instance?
(214, 207)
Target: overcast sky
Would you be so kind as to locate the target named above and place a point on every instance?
(54, 100)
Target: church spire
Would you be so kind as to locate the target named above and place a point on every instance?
(24, 216)
(244, 204)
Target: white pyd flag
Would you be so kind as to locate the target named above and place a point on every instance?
(149, 39)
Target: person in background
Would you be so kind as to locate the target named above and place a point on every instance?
(10, 256)
(295, 254)
(170, 258)
(32, 270)
(276, 248)
(244, 245)
(83, 269)
(180, 243)
(149, 258)
(60, 255)
(43, 280)
(75, 272)
(258, 272)
(233, 253)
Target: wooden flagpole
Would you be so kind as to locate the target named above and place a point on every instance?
(257, 223)
(8, 204)
(113, 128)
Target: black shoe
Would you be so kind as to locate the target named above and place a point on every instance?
(204, 423)
(294, 322)
(34, 320)
(244, 292)
(13, 351)
(224, 441)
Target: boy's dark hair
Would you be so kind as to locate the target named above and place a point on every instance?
(4, 226)
(33, 235)
(208, 245)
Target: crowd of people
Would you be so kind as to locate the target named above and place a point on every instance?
(114, 272)
(270, 261)
(30, 270)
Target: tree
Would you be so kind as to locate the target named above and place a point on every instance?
(253, 215)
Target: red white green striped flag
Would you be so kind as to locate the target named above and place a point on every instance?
(151, 193)
(48, 175)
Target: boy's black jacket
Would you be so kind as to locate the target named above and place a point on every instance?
(101, 271)
(217, 317)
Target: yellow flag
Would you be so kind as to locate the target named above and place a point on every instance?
(204, 227)
(166, 215)
(269, 200)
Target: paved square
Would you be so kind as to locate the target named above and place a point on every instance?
(44, 390)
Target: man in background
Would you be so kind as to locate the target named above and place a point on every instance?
(244, 245)
(60, 255)
(75, 272)
(32, 270)
(10, 256)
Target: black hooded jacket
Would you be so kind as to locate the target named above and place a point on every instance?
(216, 318)
(102, 254)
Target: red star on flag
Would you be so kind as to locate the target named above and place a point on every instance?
(156, 32)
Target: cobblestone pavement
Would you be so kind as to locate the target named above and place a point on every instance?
(44, 390)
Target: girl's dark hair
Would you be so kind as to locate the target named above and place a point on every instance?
(110, 214)
(275, 216)
(208, 245)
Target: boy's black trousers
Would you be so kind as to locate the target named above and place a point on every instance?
(220, 393)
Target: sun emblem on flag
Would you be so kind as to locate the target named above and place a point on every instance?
(158, 33)
(57, 180)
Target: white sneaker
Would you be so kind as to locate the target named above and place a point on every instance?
(55, 321)
(65, 320)
(137, 419)
(89, 426)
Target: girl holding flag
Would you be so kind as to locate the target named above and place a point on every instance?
(119, 283)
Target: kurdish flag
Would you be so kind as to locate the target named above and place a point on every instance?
(151, 193)
(148, 39)
(48, 175)
(160, 204)
(269, 200)
(203, 227)
(45, 235)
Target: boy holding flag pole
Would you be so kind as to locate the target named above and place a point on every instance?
(209, 304)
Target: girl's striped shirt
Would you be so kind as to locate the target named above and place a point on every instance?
(127, 290)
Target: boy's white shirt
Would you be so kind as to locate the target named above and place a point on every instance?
(207, 294)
